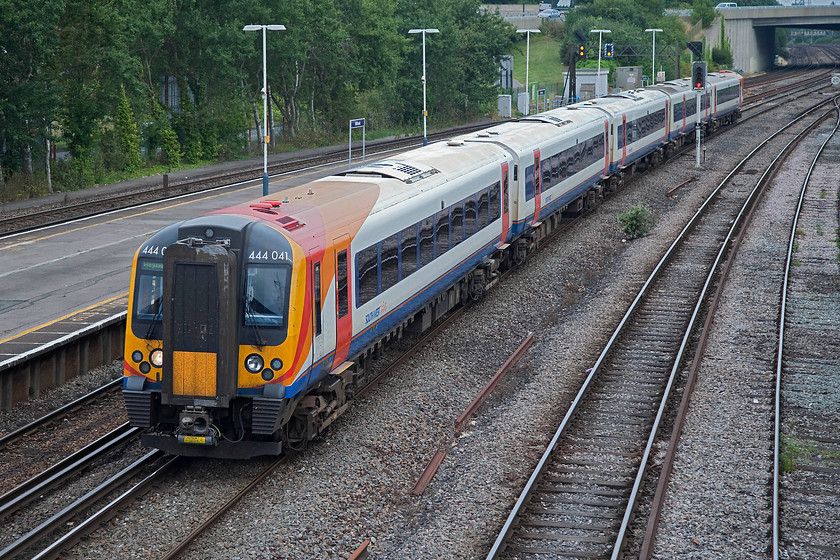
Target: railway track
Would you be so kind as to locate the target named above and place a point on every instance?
(806, 476)
(580, 499)
(85, 507)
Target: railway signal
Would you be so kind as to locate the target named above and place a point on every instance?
(581, 50)
(698, 75)
(608, 50)
(696, 47)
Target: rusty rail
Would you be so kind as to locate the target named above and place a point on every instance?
(482, 396)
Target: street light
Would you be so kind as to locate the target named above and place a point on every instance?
(600, 33)
(423, 79)
(527, 58)
(653, 55)
(265, 98)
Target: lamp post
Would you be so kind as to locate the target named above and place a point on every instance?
(653, 55)
(600, 33)
(265, 98)
(527, 58)
(423, 79)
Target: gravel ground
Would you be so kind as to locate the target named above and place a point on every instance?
(355, 483)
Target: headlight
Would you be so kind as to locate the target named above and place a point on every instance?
(254, 363)
(156, 357)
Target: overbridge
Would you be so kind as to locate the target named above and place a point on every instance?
(752, 30)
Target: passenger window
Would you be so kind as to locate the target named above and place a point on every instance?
(495, 203)
(367, 261)
(457, 223)
(442, 231)
(470, 220)
(427, 237)
(483, 210)
(408, 248)
(390, 267)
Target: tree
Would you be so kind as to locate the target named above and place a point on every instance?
(127, 134)
(627, 21)
(30, 98)
(462, 60)
(94, 57)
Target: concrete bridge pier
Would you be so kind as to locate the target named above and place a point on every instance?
(753, 47)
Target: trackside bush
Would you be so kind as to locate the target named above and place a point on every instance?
(636, 222)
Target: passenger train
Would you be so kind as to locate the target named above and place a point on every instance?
(249, 327)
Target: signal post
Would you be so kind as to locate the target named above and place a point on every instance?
(698, 84)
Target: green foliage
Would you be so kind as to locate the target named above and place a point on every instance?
(781, 40)
(98, 73)
(171, 147)
(128, 135)
(636, 222)
(722, 57)
(627, 21)
(703, 10)
(789, 454)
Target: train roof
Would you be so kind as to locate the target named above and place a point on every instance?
(534, 131)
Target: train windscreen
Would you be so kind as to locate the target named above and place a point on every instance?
(267, 294)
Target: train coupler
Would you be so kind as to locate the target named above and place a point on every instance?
(195, 427)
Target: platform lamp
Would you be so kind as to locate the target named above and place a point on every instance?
(600, 33)
(265, 97)
(425, 113)
(527, 58)
(653, 55)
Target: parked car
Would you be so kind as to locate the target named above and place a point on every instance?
(550, 14)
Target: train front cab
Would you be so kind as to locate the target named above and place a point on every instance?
(221, 327)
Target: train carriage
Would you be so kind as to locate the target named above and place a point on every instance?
(557, 156)
(727, 88)
(638, 125)
(246, 321)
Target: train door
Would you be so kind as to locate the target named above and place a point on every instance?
(505, 203)
(343, 317)
(714, 98)
(199, 324)
(623, 138)
(606, 150)
(537, 185)
(667, 119)
(685, 111)
(316, 288)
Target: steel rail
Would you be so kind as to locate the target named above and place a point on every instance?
(69, 512)
(34, 488)
(64, 543)
(781, 341)
(186, 187)
(58, 413)
(746, 209)
(585, 388)
(177, 549)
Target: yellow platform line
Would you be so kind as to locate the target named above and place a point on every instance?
(33, 329)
